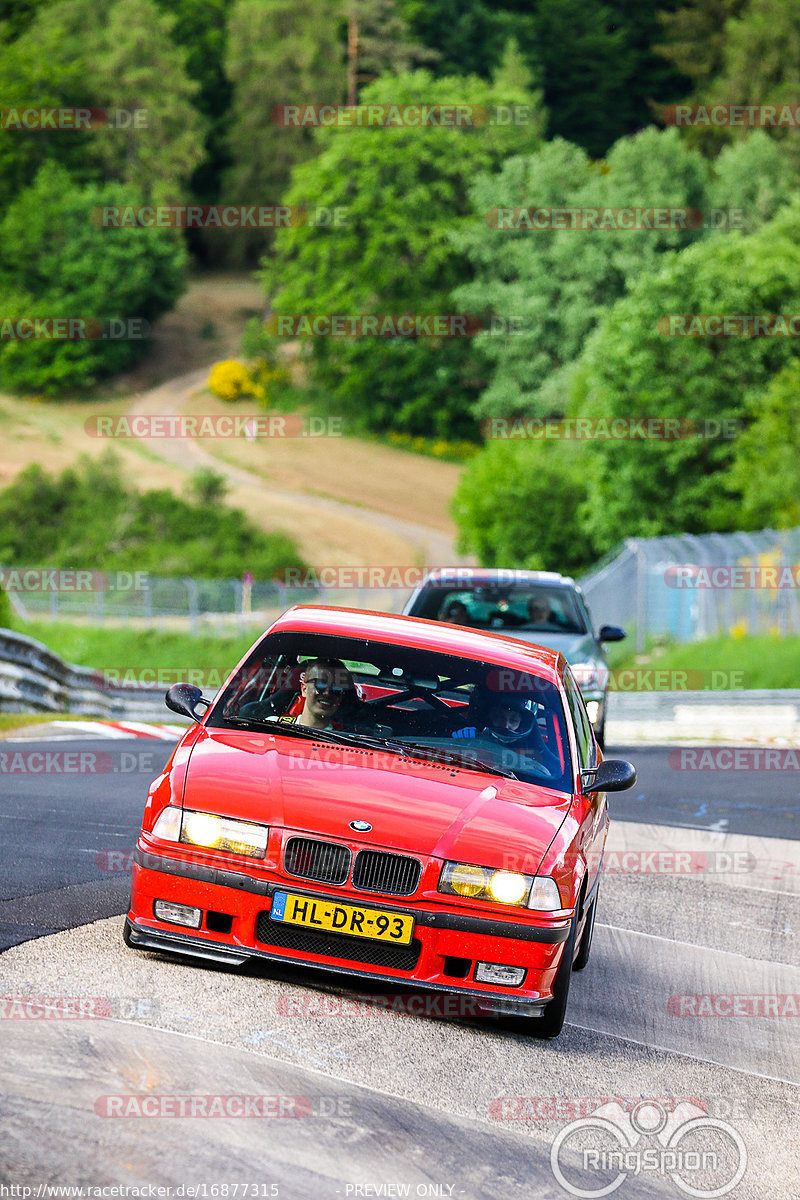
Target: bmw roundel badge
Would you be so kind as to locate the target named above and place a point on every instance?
(360, 826)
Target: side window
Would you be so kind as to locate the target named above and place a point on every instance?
(587, 612)
(587, 753)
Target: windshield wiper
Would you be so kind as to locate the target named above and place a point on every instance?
(335, 736)
(324, 735)
(342, 738)
(456, 760)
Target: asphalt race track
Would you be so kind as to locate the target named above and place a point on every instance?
(689, 1002)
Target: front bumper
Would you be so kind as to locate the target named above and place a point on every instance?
(443, 937)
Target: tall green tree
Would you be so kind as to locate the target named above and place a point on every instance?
(200, 28)
(751, 180)
(519, 502)
(632, 368)
(552, 286)
(694, 39)
(379, 40)
(120, 57)
(279, 52)
(55, 262)
(766, 466)
(138, 67)
(761, 59)
(403, 189)
(470, 36)
(586, 64)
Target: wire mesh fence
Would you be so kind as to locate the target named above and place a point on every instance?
(198, 605)
(685, 587)
(689, 587)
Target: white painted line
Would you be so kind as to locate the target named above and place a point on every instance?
(713, 1062)
(657, 937)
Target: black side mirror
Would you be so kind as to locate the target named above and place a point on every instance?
(183, 698)
(611, 633)
(612, 775)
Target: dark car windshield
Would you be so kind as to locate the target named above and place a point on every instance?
(416, 703)
(501, 607)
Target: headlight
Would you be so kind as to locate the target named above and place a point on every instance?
(222, 833)
(586, 676)
(485, 883)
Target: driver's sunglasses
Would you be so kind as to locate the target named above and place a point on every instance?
(323, 687)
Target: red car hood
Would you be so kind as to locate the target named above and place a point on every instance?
(418, 807)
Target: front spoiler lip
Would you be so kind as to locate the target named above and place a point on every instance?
(144, 938)
(490, 927)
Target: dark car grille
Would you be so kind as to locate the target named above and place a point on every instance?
(380, 954)
(322, 861)
(390, 873)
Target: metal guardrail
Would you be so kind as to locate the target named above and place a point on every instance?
(33, 678)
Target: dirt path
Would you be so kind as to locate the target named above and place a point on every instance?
(329, 531)
(344, 500)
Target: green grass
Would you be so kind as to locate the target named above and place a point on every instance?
(12, 721)
(765, 661)
(754, 662)
(144, 654)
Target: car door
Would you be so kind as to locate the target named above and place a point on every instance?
(593, 808)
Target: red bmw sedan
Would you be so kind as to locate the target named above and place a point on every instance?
(390, 798)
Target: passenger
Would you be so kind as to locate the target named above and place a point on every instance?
(511, 721)
(540, 612)
(456, 613)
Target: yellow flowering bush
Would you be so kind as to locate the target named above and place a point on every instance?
(437, 448)
(230, 381)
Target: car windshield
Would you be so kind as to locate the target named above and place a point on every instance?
(417, 703)
(510, 606)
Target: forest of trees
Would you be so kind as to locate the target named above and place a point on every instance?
(571, 317)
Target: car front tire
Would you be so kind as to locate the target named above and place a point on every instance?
(550, 1023)
(585, 944)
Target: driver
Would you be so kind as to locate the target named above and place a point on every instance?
(326, 688)
(511, 721)
(328, 694)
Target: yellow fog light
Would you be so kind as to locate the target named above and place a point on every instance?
(508, 887)
(465, 880)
